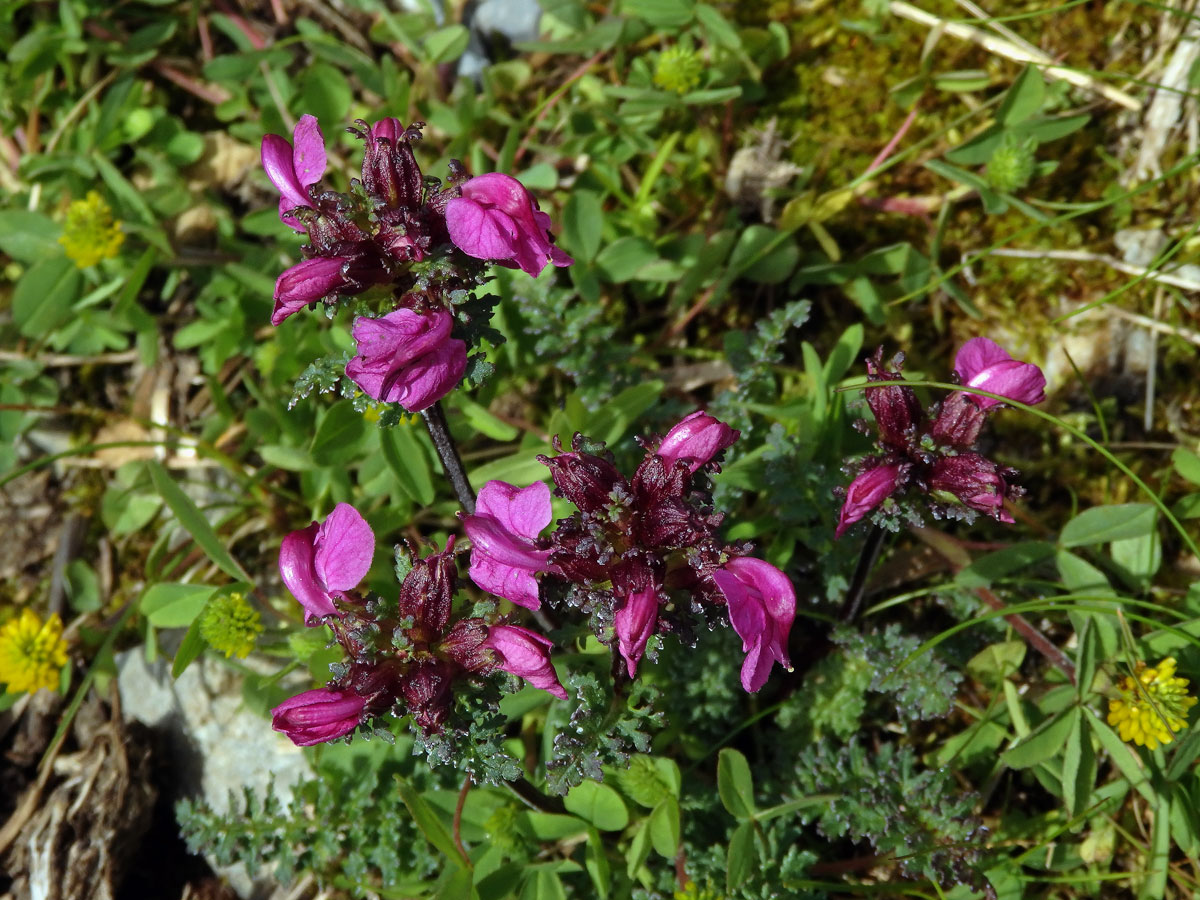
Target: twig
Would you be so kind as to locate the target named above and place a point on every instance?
(896, 139)
(866, 562)
(534, 798)
(447, 450)
(66, 360)
(1186, 284)
(1008, 49)
(1036, 639)
(457, 828)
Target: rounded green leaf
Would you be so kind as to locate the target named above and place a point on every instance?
(598, 805)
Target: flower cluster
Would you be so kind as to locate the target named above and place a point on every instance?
(640, 555)
(402, 657)
(934, 453)
(31, 652)
(1152, 706)
(90, 233)
(375, 237)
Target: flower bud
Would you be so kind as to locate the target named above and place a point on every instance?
(525, 654)
(697, 439)
(867, 491)
(586, 480)
(317, 716)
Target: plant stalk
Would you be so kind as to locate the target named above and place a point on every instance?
(858, 584)
(447, 450)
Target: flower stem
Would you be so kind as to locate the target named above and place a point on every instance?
(447, 450)
(866, 562)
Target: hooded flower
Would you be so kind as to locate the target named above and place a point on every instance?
(317, 716)
(307, 282)
(496, 218)
(320, 562)
(294, 169)
(407, 358)
(634, 622)
(972, 480)
(762, 605)
(867, 491)
(505, 556)
(525, 654)
(982, 363)
(697, 439)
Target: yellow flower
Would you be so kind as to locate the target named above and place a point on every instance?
(90, 234)
(1153, 705)
(231, 625)
(31, 654)
(678, 69)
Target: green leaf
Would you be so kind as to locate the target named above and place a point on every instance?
(1045, 742)
(615, 418)
(583, 224)
(43, 297)
(341, 430)
(483, 421)
(1079, 768)
(985, 570)
(1081, 576)
(427, 820)
(664, 828)
(595, 860)
(409, 463)
(740, 859)
(1186, 463)
(597, 804)
(173, 605)
(1123, 757)
(621, 260)
(190, 647)
(194, 522)
(325, 92)
(1023, 99)
(996, 661)
(1102, 524)
(660, 13)
(291, 459)
(447, 44)
(1085, 657)
(1185, 753)
(734, 784)
(28, 237)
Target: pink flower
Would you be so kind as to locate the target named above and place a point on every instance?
(867, 491)
(634, 622)
(294, 170)
(497, 219)
(698, 438)
(504, 530)
(320, 562)
(762, 605)
(525, 654)
(982, 363)
(972, 480)
(407, 358)
(317, 716)
(307, 282)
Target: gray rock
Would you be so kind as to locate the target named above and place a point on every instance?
(216, 744)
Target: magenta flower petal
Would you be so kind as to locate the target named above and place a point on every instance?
(525, 654)
(317, 716)
(523, 511)
(305, 283)
(298, 571)
(698, 438)
(762, 607)
(308, 158)
(345, 548)
(505, 558)
(867, 491)
(982, 363)
(407, 358)
(479, 232)
(496, 218)
(634, 622)
(277, 161)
